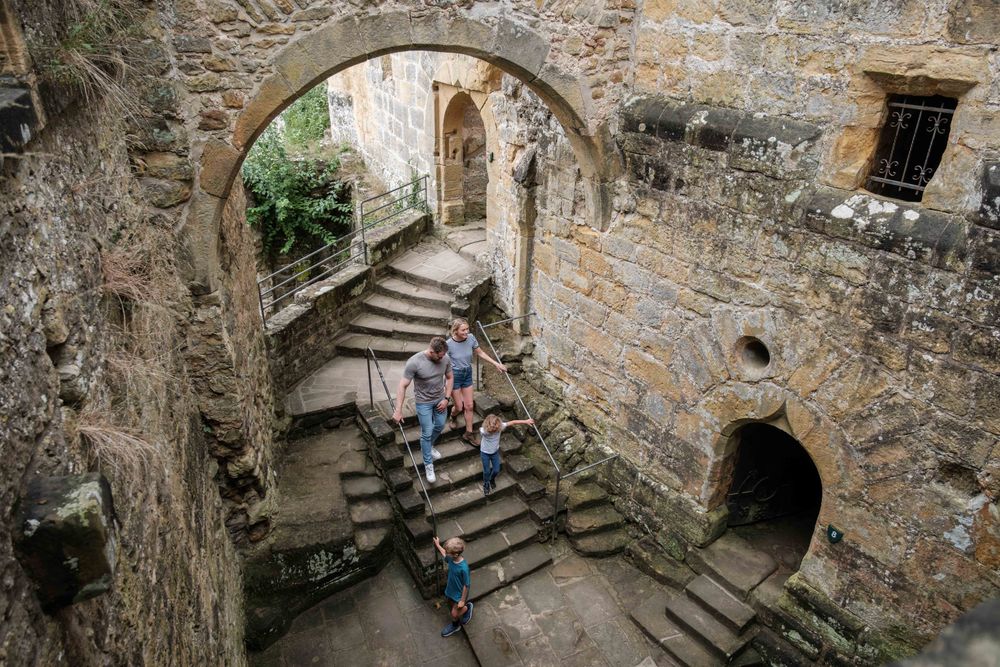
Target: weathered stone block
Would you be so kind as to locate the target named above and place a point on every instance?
(989, 210)
(66, 539)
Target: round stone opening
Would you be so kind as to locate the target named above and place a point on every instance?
(753, 354)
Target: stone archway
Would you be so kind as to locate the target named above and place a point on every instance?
(774, 492)
(452, 154)
(347, 40)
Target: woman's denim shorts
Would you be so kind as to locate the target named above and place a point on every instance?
(463, 378)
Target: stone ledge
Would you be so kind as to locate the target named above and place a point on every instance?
(913, 232)
(774, 146)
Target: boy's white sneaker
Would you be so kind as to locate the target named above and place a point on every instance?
(435, 454)
(429, 470)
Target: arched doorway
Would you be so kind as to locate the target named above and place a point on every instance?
(775, 493)
(461, 158)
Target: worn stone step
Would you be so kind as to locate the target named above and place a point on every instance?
(496, 543)
(451, 450)
(599, 545)
(454, 473)
(414, 271)
(380, 304)
(472, 523)
(720, 603)
(542, 509)
(355, 345)
(373, 539)
(411, 502)
(734, 563)
(370, 513)
(381, 325)
(467, 497)
(655, 562)
(519, 465)
(398, 479)
(506, 571)
(650, 616)
(585, 494)
(594, 519)
(425, 295)
(361, 488)
(530, 488)
(714, 635)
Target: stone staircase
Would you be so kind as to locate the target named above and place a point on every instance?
(501, 530)
(593, 526)
(709, 622)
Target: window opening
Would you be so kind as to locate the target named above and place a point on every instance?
(911, 145)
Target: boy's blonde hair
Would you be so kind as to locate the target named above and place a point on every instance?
(492, 423)
(455, 324)
(454, 546)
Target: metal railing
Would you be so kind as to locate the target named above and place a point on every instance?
(349, 249)
(369, 358)
(558, 471)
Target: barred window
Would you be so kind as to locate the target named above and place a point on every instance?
(910, 147)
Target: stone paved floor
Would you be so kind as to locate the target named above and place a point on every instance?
(342, 381)
(572, 613)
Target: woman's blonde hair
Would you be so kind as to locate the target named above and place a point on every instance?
(492, 424)
(456, 323)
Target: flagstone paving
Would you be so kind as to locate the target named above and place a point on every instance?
(571, 613)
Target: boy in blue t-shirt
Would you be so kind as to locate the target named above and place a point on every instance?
(457, 589)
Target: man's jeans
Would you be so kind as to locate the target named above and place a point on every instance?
(431, 425)
(491, 466)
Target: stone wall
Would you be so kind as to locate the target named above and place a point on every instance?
(390, 116)
(93, 378)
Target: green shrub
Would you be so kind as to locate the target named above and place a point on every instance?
(299, 203)
(307, 119)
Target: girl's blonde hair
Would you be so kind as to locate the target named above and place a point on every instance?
(454, 545)
(456, 323)
(492, 424)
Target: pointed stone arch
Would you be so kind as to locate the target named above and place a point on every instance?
(343, 41)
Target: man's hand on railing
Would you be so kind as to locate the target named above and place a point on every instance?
(397, 416)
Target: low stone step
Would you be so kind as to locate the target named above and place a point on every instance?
(716, 637)
(720, 603)
(585, 494)
(425, 295)
(655, 562)
(455, 473)
(373, 539)
(470, 524)
(381, 325)
(467, 497)
(361, 488)
(530, 488)
(650, 616)
(398, 479)
(370, 513)
(402, 309)
(600, 545)
(594, 519)
(407, 269)
(495, 544)
(451, 451)
(734, 563)
(506, 571)
(519, 464)
(355, 345)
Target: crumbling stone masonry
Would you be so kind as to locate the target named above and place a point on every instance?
(704, 188)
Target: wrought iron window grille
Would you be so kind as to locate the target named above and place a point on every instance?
(910, 147)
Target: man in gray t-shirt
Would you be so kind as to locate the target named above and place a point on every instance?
(431, 375)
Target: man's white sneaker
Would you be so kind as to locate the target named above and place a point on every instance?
(435, 454)
(429, 469)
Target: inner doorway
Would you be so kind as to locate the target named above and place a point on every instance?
(775, 495)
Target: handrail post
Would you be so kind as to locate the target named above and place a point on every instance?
(555, 512)
(371, 396)
(370, 353)
(260, 299)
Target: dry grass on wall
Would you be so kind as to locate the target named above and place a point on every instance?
(136, 427)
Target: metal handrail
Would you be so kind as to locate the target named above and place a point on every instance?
(348, 243)
(369, 358)
(552, 459)
(559, 474)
